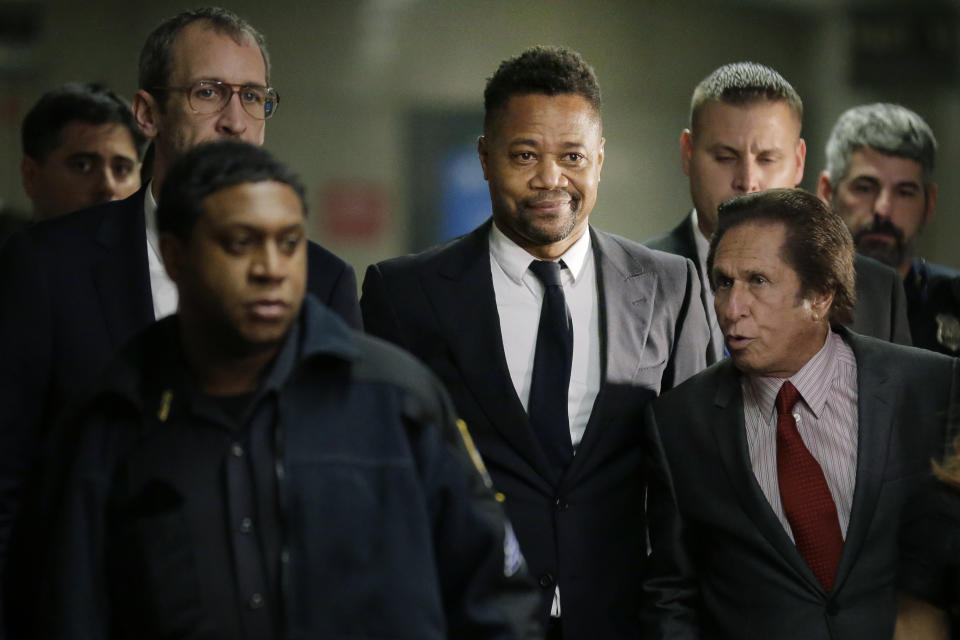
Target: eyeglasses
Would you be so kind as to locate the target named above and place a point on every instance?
(207, 97)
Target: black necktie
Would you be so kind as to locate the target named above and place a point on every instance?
(547, 407)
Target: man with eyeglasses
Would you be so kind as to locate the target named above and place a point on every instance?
(74, 289)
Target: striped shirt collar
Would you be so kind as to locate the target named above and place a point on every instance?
(813, 380)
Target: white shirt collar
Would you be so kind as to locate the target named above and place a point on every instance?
(150, 217)
(515, 261)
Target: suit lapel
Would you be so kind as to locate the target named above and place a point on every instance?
(625, 297)
(461, 292)
(731, 437)
(122, 277)
(875, 418)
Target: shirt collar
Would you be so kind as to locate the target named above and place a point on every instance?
(515, 261)
(150, 217)
(813, 380)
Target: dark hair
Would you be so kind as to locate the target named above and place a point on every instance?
(817, 244)
(85, 102)
(208, 168)
(156, 59)
(546, 70)
(743, 83)
(888, 128)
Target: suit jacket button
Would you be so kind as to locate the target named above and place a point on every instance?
(561, 505)
(547, 581)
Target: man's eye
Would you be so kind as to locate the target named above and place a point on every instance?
(251, 96)
(525, 156)
(724, 283)
(239, 244)
(861, 187)
(724, 158)
(122, 170)
(82, 165)
(206, 91)
(289, 243)
(758, 280)
(574, 157)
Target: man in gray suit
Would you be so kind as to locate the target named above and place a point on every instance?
(744, 136)
(790, 462)
(551, 336)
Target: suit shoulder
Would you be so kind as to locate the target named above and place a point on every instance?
(641, 254)
(909, 361)
(322, 256)
(868, 268)
(435, 255)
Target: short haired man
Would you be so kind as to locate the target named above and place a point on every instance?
(73, 289)
(744, 136)
(879, 178)
(81, 147)
(261, 470)
(551, 335)
(790, 461)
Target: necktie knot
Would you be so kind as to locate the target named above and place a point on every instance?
(547, 272)
(787, 397)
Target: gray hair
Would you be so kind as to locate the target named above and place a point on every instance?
(888, 128)
(742, 83)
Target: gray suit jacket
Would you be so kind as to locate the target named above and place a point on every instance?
(881, 309)
(585, 530)
(729, 570)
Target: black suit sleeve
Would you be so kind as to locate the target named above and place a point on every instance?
(25, 370)
(670, 592)
(379, 317)
(333, 282)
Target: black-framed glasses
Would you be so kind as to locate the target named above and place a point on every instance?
(207, 97)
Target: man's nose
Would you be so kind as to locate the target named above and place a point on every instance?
(747, 177)
(549, 175)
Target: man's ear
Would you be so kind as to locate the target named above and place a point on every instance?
(820, 304)
(482, 151)
(172, 250)
(801, 152)
(824, 187)
(146, 111)
(29, 172)
(686, 150)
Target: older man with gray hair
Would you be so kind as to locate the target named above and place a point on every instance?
(879, 178)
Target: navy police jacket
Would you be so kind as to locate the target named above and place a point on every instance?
(370, 521)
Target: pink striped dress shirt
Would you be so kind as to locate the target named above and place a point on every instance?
(826, 416)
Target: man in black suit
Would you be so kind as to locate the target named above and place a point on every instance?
(744, 136)
(543, 366)
(879, 178)
(791, 461)
(73, 289)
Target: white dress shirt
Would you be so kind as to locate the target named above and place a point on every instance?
(519, 294)
(827, 419)
(162, 288)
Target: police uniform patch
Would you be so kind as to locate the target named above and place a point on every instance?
(948, 331)
(512, 558)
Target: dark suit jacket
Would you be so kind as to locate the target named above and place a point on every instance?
(734, 572)
(585, 530)
(72, 290)
(881, 309)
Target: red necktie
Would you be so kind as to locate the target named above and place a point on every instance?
(805, 495)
